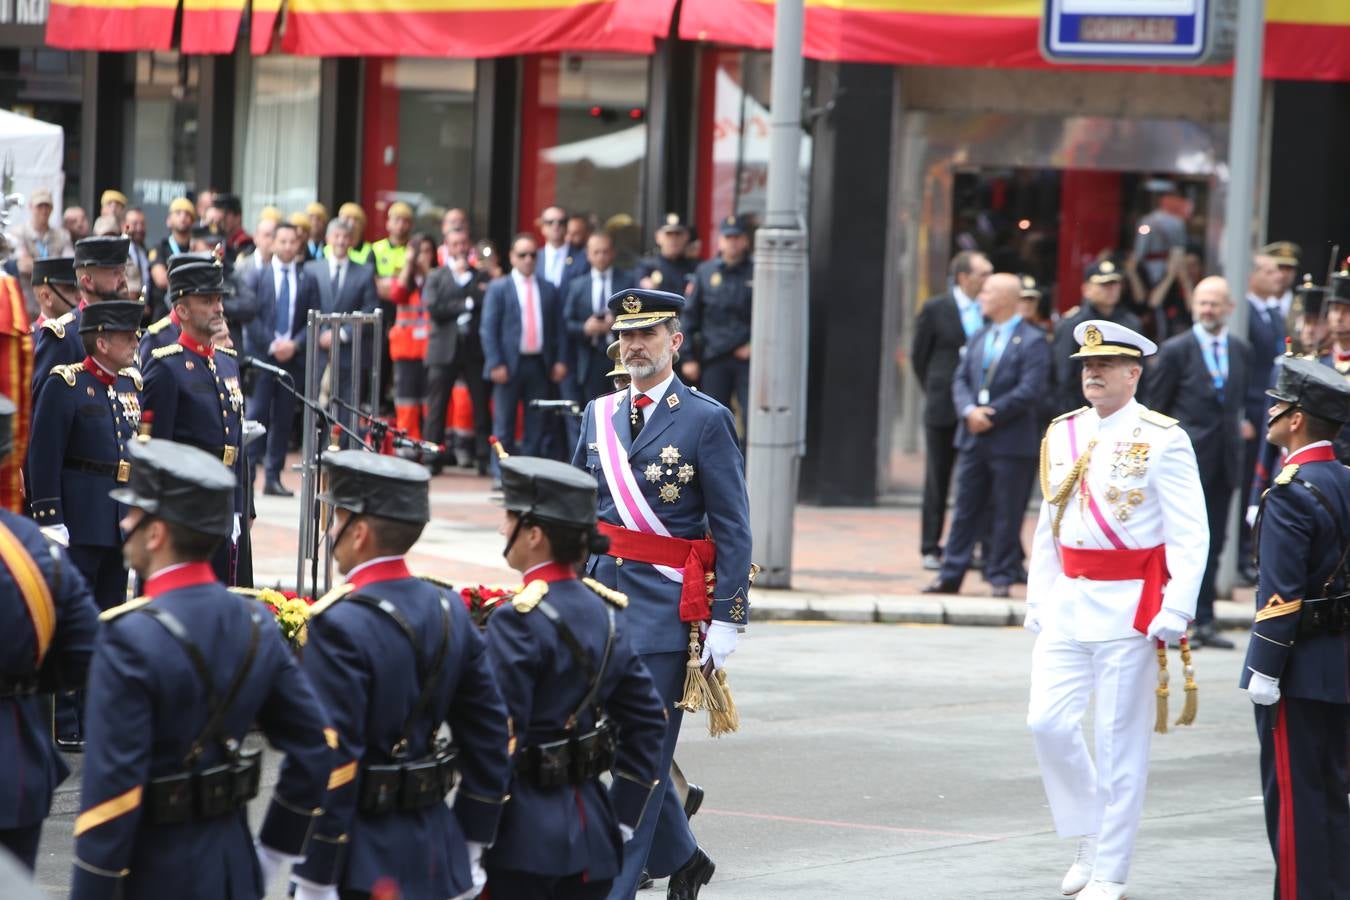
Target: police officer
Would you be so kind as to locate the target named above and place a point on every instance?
(581, 700)
(54, 285)
(668, 454)
(1298, 662)
(718, 318)
(394, 657)
(192, 392)
(48, 626)
(178, 679)
(100, 269)
(668, 269)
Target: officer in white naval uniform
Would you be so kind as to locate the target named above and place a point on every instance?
(1116, 563)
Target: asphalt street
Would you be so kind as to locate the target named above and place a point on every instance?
(892, 761)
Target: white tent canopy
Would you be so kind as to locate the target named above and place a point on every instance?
(30, 157)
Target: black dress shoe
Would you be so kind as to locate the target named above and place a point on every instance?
(692, 801)
(938, 586)
(70, 743)
(1000, 590)
(691, 877)
(1208, 636)
(645, 880)
(274, 488)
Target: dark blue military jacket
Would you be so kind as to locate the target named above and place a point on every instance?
(161, 333)
(145, 706)
(51, 641)
(666, 274)
(57, 343)
(717, 317)
(566, 830)
(361, 663)
(80, 431)
(1300, 542)
(688, 466)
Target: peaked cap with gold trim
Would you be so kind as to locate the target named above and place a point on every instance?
(642, 308)
(1098, 337)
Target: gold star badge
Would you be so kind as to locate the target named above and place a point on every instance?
(670, 455)
(653, 473)
(670, 492)
(716, 279)
(686, 473)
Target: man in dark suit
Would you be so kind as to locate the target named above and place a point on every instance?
(453, 295)
(1002, 375)
(521, 333)
(1102, 285)
(1265, 334)
(945, 323)
(286, 294)
(1204, 379)
(587, 318)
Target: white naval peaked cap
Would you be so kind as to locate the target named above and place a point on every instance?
(1098, 337)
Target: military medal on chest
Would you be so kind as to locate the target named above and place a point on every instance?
(669, 467)
(1130, 460)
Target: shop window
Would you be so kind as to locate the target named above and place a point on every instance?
(161, 153)
(584, 138)
(418, 144)
(46, 85)
(276, 153)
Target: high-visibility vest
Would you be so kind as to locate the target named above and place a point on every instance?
(412, 325)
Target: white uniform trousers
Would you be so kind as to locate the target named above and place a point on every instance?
(1107, 798)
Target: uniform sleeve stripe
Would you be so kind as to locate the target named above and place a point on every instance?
(28, 578)
(330, 737)
(342, 775)
(108, 810)
(1275, 610)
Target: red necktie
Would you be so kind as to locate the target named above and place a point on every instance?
(531, 319)
(638, 419)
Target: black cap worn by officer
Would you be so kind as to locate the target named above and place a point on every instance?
(1340, 288)
(372, 484)
(733, 226)
(197, 276)
(55, 270)
(546, 491)
(102, 252)
(112, 316)
(1311, 388)
(179, 484)
(643, 308)
(1103, 271)
(1311, 298)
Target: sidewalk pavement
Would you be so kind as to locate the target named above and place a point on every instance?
(850, 564)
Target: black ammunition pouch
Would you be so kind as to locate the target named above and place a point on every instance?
(570, 760)
(411, 785)
(1325, 615)
(207, 794)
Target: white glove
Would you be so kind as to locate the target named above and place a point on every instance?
(626, 832)
(1263, 689)
(270, 862)
(305, 890)
(476, 866)
(57, 534)
(236, 530)
(1032, 620)
(1251, 515)
(1168, 626)
(719, 643)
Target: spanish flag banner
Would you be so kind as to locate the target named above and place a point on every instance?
(1305, 39)
(111, 25)
(210, 26)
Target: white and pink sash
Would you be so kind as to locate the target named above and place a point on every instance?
(633, 508)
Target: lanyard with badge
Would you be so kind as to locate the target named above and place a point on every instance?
(995, 345)
(1213, 362)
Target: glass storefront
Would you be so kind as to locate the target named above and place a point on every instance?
(160, 160)
(45, 84)
(276, 143)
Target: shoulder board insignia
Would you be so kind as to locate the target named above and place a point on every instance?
(1287, 474)
(330, 598)
(154, 254)
(159, 325)
(1068, 415)
(166, 350)
(226, 350)
(55, 326)
(67, 372)
(1072, 311)
(609, 595)
(134, 374)
(1157, 418)
(109, 614)
(435, 580)
(528, 597)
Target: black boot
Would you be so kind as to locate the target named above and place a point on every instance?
(691, 877)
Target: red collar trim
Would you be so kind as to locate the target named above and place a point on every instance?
(551, 572)
(389, 570)
(173, 317)
(104, 377)
(189, 575)
(205, 350)
(83, 304)
(1324, 453)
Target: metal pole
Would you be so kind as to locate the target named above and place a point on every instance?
(1244, 127)
(776, 417)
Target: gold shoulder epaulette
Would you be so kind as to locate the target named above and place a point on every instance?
(67, 372)
(330, 598)
(1157, 418)
(1068, 415)
(134, 374)
(58, 325)
(159, 325)
(528, 597)
(226, 350)
(609, 595)
(166, 350)
(1287, 474)
(1072, 311)
(109, 614)
(437, 580)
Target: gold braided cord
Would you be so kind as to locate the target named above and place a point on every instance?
(1060, 499)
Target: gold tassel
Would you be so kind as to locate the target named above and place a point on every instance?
(723, 719)
(695, 687)
(1191, 706)
(1160, 722)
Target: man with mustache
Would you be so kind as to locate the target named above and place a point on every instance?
(1123, 512)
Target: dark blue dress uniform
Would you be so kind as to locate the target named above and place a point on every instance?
(178, 679)
(1301, 638)
(687, 467)
(564, 663)
(361, 662)
(668, 274)
(717, 321)
(47, 619)
(160, 333)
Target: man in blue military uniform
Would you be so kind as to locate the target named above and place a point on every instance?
(669, 269)
(394, 657)
(718, 318)
(100, 269)
(581, 700)
(48, 620)
(192, 392)
(165, 330)
(55, 286)
(1298, 662)
(179, 678)
(674, 506)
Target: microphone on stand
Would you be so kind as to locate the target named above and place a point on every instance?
(407, 443)
(250, 362)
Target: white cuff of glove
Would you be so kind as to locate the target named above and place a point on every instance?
(476, 866)
(719, 643)
(271, 862)
(1168, 625)
(58, 533)
(1032, 621)
(1262, 689)
(308, 890)
(626, 832)
(1251, 515)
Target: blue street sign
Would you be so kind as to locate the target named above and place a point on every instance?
(1139, 32)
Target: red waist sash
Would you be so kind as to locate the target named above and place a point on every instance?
(1124, 565)
(697, 558)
